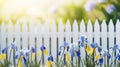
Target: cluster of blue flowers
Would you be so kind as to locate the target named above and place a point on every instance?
(93, 51)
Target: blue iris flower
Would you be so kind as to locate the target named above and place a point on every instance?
(13, 46)
(101, 60)
(50, 58)
(33, 50)
(25, 61)
(64, 46)
(4, 50)
(81, 44)
(59, 53)
(82, 38)
(108, 56)
(42, 48)
(116, 46)
(99, 49)
(16, 56)
(94, 45)
(78, 53)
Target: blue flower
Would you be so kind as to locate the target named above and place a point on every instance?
(42, 48)
(78, 53)
(110, 9)
(90, 5)
(108, 56)
(50, 58)
(94, 45)
(99, 49)
(100, 60)
(25, 61)
(81, 44)
(4, 50)
(16, 56)
(33, 50)
(59, 53)
(116, 46)
(13, 46)
(64, 46)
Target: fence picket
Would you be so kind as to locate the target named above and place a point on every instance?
(46, 35)
(104, 36)
(90, 32)
(24, 35)
(54, 44)
(97, 32)
(118, 32)
(3, 35)
(82, 32)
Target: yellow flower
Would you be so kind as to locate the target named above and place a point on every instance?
(45, 52)
(89, 50)
(2, 56)
(49, 63)
(39, 54)
(20, 63)
(67, 57)
(97, 56)
(32, 56)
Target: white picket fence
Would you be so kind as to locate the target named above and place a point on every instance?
(34, 34)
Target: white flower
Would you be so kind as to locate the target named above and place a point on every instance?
(90, 5)
(102, 1)
(110, 9)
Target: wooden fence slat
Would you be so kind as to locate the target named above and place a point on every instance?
(104, 35)
(118, 32)
(3, 35)
(54, 44)
(24, 35)
(97, 32)
(17, 34)
(46, 35)
(90, 32)
(82, 32)
(68, 32)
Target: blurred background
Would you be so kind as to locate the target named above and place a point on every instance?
(60, 9)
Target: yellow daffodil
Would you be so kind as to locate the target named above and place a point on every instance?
(39, 54)
(20, 64)
(49, 63)
(89, 50)
(67, 57)
(2, 56)
(45, 52)
(97, 56)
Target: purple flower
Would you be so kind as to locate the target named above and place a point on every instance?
(50, 58)
(33, 50)
(42, 48)
(110, 9)
(90, 5)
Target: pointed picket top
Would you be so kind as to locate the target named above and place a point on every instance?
(10, 26)
(118, 32)
(75, 26)
(82, 28)
(46, 27)
(3, 27)
(39, 28)
(53, 27)
(111, 33)
(97, 32)
(68, 26)
(24, 26)
(104, 34)
(17, 27)
(60, 27)
(31, 27)
(89, 31)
